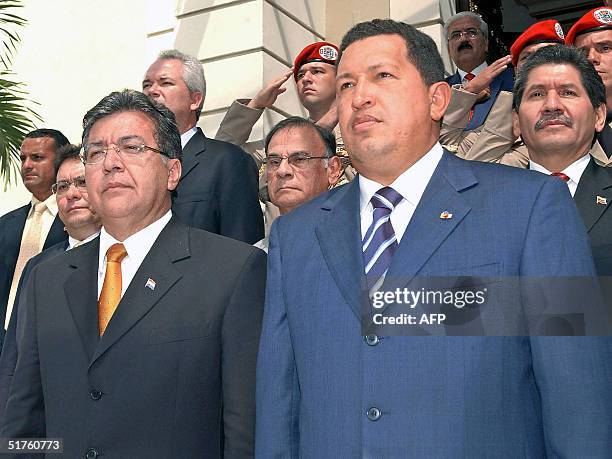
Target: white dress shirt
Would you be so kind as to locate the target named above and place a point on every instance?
(573, 171)
(187, 135)
(474, 72)
(72, 242)
(410, 184)
(137, 247)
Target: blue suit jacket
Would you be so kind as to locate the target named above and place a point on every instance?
(503, 82)
(8, 358)
(439, 396)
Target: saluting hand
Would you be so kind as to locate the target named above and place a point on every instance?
(266, 97)
(480, 84)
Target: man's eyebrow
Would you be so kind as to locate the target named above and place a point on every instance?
(372, 68)
(125, 138)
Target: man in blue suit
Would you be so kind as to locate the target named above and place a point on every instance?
(326, 390)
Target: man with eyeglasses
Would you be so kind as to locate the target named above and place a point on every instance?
(82, 225)
(476, 84)
(27, 230)
(300, 164)
(141, 343)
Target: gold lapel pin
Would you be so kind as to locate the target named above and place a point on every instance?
(446, 215)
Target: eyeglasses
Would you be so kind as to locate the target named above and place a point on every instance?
(61, 187)
(469, 33)
(296, 161)
(95, 154)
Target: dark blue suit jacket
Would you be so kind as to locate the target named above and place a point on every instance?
(435, 396)
(11, 229)
(218, 190)
(503, 82)
(8, 357)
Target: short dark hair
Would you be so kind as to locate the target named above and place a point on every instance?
(328, 138)
(166, 133)
(422, 51)
(59, 138)
(561, 54)
(65, 153)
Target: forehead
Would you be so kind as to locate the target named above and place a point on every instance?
(313, 65)
(122, 124)
(373, 51)
(38, 145)
(554, 74)
(168, 68)
(464, 23)
(296, 138)
(71, 168)
(591, 38)
(532, 48)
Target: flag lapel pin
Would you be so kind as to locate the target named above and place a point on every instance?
(446, 215)
(601, 200)
(150, 284)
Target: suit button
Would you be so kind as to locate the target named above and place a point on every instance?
(95, 394)
(91, 454)
(373, 414)
(371, 339)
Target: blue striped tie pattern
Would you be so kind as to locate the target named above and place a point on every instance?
(379, 242)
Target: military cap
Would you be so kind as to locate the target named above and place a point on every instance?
(596, 19)
(548, 31)
(320, 51)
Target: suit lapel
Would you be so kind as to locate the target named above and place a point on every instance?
(81, 289)
(595, 183)
(171, 245)
(339, 236)
(195, 146)
(427, 229)
(14, 231)
(56, 233)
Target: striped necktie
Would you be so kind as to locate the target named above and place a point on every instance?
(380, 242)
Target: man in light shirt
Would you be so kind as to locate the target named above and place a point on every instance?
(217, 191)
(559, 109)
(82, 225)
(145, 339)
(26, 231)
(332, 384)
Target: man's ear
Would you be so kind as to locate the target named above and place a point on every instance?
(334, 170)
(439, 97)
(600, 120)
(516, 128)
(174, 173)
(196, 100)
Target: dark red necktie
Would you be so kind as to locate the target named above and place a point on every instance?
(561, 175)
(470, 77)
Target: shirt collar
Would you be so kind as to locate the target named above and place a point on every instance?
(474, 72)
(410, 184)
(72, 242)
(187, 135)
(138, 244)
(573, 171)
(50, 202)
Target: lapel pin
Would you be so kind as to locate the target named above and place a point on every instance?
(446, 215)
(150, 284)
(601, 200)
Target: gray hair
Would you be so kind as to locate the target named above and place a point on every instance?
(193, 73)
(328, 138)
(484, 28)
(166, 132)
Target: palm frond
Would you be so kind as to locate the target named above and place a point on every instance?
(9, 21)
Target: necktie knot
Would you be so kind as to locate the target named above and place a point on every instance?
(386, 198)
(39, 208)
(469, 76)
(561, 175)
(116, 253)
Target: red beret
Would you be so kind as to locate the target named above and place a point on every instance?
(596, 19)
(548, 31)
(320, 51)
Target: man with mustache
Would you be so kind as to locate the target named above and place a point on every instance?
(82, 225)
(26, 231)
(476, 84)
(559, 107)
(593, 33)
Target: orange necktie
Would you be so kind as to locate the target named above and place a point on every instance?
(111, 288)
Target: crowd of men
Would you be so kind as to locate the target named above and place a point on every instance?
(144, 319)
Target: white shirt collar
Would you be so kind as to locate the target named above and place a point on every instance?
(72, 242)
(187, 135)
(410, 184)
(474, 72)
(573, 171)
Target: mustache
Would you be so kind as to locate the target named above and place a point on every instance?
(464, 45)
(566, 120)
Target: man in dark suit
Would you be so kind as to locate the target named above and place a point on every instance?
(37, 154)
(153, 355)
(82, 225)
(476, 84)
(218, 188)
(328, 387)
